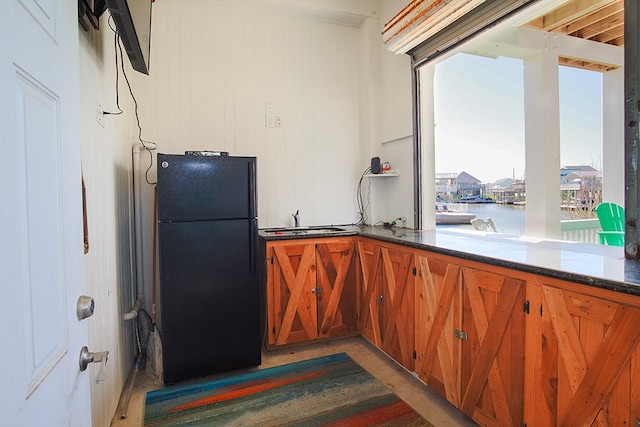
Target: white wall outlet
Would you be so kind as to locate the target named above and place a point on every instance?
(99, 114)
(278, 121)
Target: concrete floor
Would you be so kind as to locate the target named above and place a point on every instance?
(429, 404)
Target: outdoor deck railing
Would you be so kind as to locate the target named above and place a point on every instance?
(451, 207)
(581, 230)
(574, 230)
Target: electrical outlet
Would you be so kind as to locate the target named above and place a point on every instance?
(270, 121)
(278, 121)
(99, 114)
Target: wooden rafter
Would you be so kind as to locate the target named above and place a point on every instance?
(600, 21)
(597, 20)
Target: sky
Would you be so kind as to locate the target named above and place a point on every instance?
(479, 115)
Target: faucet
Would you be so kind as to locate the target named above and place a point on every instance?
(296, 218)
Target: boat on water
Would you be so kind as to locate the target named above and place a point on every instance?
(476, 199)
(453, 213)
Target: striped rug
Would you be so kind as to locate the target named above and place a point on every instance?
(327, 391)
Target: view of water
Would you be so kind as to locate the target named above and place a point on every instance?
(507, 218)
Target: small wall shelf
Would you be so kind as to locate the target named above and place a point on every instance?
(375, 175)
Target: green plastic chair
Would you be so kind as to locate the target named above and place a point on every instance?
(611, 217)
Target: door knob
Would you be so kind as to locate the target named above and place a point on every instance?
(101, 357)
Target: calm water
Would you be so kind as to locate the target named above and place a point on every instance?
(507, 218)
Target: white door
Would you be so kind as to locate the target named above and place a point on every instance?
(41, 241)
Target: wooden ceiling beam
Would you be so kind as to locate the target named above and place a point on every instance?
(610, 36)
(572, 11)
(616, 9)
(612, 25)
(585, 65)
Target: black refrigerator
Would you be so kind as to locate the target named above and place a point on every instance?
(209, 314)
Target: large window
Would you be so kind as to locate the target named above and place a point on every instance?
(580, 117)
(479, 117)
(479, 130)
(545, 34)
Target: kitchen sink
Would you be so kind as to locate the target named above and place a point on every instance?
(296, 231)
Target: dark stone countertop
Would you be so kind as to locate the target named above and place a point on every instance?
(593, 265)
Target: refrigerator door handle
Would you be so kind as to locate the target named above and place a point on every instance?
(253, 190)
(253, 224)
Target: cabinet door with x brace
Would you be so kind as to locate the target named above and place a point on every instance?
(310, 290)
(387, 311)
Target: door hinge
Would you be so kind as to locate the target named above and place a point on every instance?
(415, 271)
(316, 290)
(526, 307)
(460, 334)
(269, 260)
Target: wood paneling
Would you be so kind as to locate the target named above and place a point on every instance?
(589, 349)
(292, 306)
(493, 357)
(438, 315)
(110, 274)
(506, 347)
(213, 68)
(388, 308)
(335, 275)
(469, 338)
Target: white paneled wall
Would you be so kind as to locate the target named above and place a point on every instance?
(107, 171)
(215, 66)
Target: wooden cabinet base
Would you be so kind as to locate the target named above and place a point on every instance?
(584, 354)
(507, 348)
(306, 294)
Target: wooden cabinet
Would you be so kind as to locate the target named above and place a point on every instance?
(438, 316)
(306, 294)
(506, 347)
(386, 316)
(470, 338)
(583, 356)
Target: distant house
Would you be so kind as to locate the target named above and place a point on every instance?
(498, 187)
(570, 175)
(567, 170)
(467, 185)
(446, 186)
(580, 186)
(455, 186)
(502, 183)
(515, 192)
